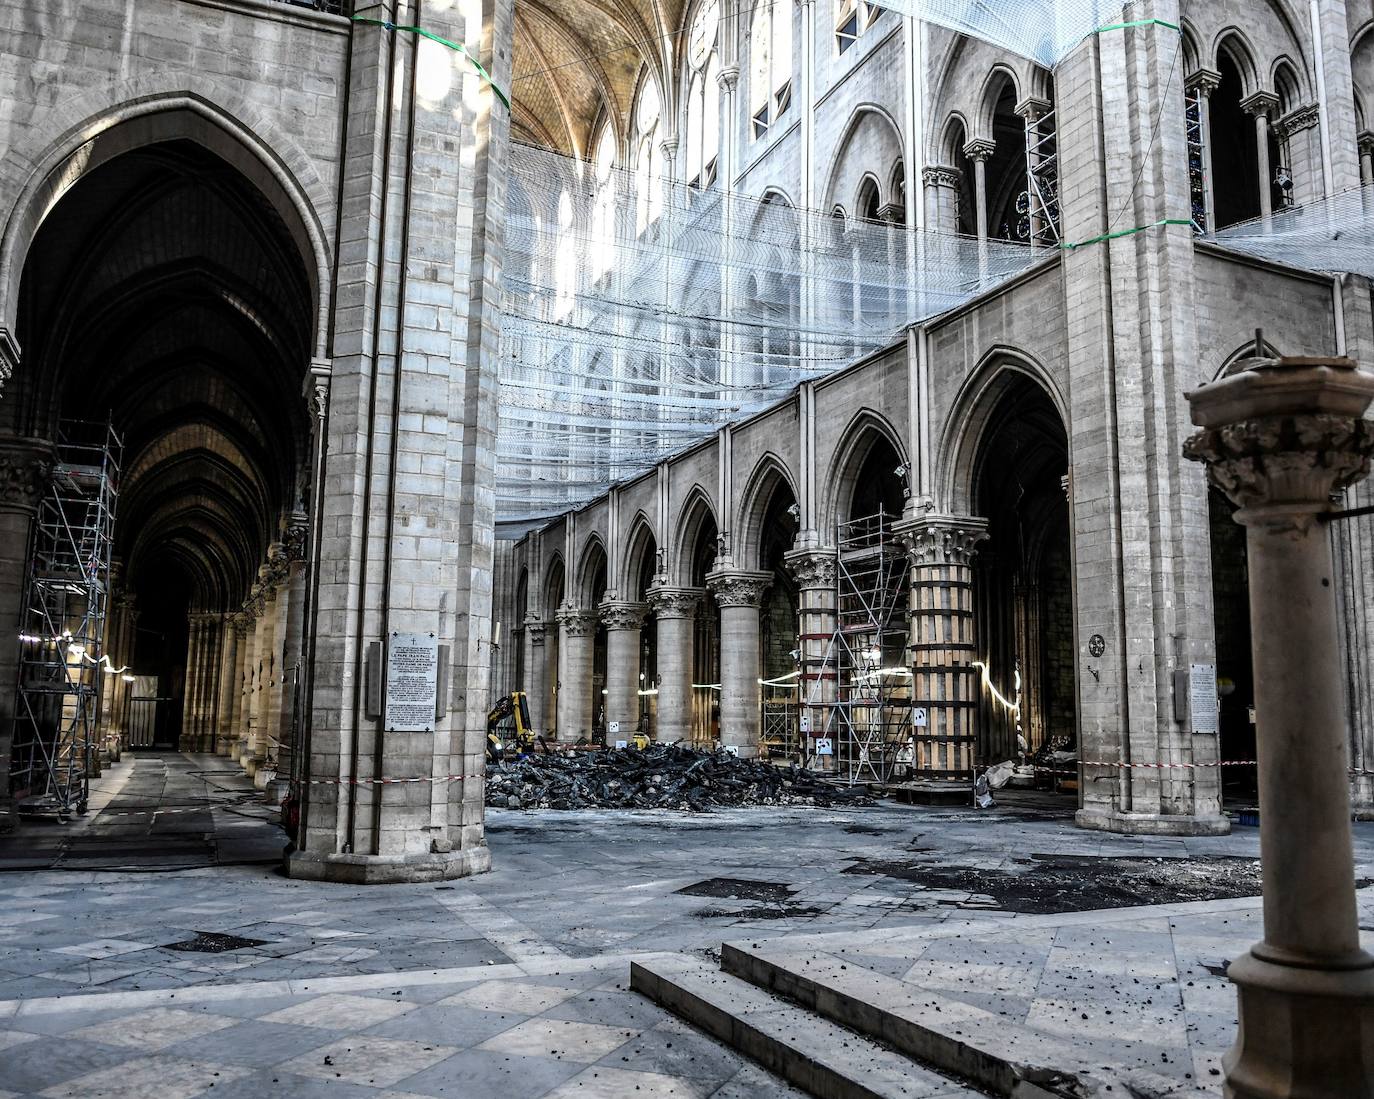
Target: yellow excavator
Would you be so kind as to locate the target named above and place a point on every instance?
(511, 705)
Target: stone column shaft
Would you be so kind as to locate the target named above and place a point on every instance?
(623, 622)
(576, 645)
(293, 621)
(944, 681)
(536, 674)
(675, 610)
(739, 593)
(815, 572)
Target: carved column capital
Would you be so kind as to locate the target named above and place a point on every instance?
(535, 628)
(296, 536)
(980, 148)
(239, 622)
(940, 175)
(675, 602)
(738, 587)
(813, 568)
(1260, 103)
(1204, 82)
(575, 622)
(1033, 108)
(1281, 436)
(942, 539)
(25, 472)
(621, 615)
(1297, 120)
(1365, 140)
(728, 77)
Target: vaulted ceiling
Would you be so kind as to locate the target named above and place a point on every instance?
(578, 61)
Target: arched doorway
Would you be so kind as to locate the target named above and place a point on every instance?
(164, 299)
(701, 546)
(1023, 576)
(1231, 623)
(642, 573)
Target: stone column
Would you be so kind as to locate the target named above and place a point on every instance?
(254, 607)
(241, 623)
(941, 184)
(1366, 157)
(25, 472)
(1262, 105)
(815, 571)
(623, 622)
(407, 503)
(291, 648)
(1202, 84)
(739, 593)
(209, 678)
(576, 641)
(944, 681)
(1031, 110)
(675, 610)
(190, 691)
(978, 151)
(536, 674)
(228, 685)
(1280, 437)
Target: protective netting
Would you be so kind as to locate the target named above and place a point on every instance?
(1044, 30)
(639, 318)
(1334, 235)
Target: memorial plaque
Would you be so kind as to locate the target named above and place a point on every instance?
(1202, 698)
(412, 683)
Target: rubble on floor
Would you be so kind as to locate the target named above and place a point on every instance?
(658, 777)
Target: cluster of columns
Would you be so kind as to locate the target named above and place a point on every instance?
(946, 681)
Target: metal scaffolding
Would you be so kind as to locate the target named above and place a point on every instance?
(61, 661)
(860, 693)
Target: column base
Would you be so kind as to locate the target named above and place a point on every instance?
(386, 869)
(263, 776)
(1304, 1033)
(1151, 824)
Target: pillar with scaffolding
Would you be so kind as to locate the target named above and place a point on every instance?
(858, 696)
(62, 662)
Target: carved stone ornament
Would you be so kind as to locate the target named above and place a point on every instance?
(675, 602)
(940, 175)
(256, 603)
(535, 629)
(1204, 82)
(1285, 460)
(738, 589)
(239, 622)
(812, 568)
(1280, 437)
(1297, 120)
(297, 537)
(980, 148)
(25, 473)
(944, 539)
(575, 622)
(623, 616)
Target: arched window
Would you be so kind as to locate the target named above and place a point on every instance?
(603, 203)
(770, 63)
(648, 158)
(852, 18)
(703, 95)
(868, 205)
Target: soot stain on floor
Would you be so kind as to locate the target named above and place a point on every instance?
(1081, 883)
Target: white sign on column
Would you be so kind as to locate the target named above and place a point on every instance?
(412, 683)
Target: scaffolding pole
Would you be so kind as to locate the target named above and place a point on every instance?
(62, 661)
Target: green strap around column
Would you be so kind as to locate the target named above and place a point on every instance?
(457, 47)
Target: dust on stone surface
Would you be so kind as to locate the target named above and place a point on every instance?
(740, 889)
(1079, 883)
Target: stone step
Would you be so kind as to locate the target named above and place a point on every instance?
(959, 1038)
(815, 1054)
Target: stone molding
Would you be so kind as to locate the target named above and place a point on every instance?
(535, 628)
(675, 602)
(738, 587)
(1297, 120)
(239, 622)
(575, 622)
(940, 175)
(25, 472)
(814, 568)
(622, 615)
(942, 539)
(297, 536)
